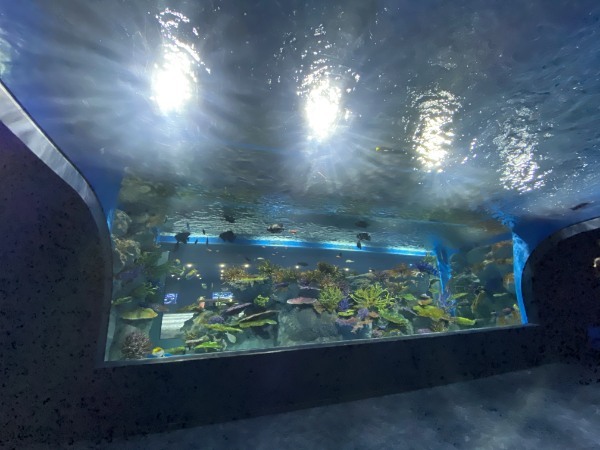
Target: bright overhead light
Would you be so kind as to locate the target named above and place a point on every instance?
(323, 109)
(172, 81)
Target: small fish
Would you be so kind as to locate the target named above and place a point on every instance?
(182, 237)
(187, 225)
(196, 241)
(275, 228)
(349, 261)
(203, 231)
(293, 231)
(206, 241)
(281, 285)
(122, 300)
(358, 244)
(361, 224)
(227, 236)
(302, 263)
(229, 218)
(260, 258)
(339, 255)
(204, 286)
(363, 236)
(247, 259)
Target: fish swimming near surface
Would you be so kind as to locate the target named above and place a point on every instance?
(203, 231)
(580, 206)
(229, 218)
(182, 237)
(227, 236)
(363, 236)
(275, 228)
(358, 244)
(361, 224)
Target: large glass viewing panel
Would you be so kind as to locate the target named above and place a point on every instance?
(200, 271)
(281, 174)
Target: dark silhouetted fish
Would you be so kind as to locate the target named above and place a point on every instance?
(182, 237)
(358, 244)
(247, 259)
(196, 241)
(227, 236)
(275, 228)
(302, 263)
(229, 218)
(362, 224)
(363, 236)
(187, 225)
(580, 206)
(206, 241)
(203, 232)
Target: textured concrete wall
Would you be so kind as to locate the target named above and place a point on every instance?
(50, 319)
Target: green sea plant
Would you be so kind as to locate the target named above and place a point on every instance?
(262, 301)
(267, 268)
(372, 297)
(394, 318)
(330, 297)
(145, 290)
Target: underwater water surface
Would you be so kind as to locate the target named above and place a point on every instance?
(443, 131)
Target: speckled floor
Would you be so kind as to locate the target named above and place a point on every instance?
(548, 407)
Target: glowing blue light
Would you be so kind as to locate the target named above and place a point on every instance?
(338, 246)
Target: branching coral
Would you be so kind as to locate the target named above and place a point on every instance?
(267, 268)
(372, 297)
(136, 345)
(284, 275)
(234, 273)
(330, 297)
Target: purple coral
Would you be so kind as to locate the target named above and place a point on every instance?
(344, 304)
(363, 313)
(136, 345)
(216, 319)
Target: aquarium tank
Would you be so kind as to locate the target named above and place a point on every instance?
(277, 175)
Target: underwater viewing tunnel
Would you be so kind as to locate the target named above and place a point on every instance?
(272, 178)
(330, 199)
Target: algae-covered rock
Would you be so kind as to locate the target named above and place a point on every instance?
(258, 323)
(139, 314)
(120, 224)
(125, 252)
(304, 326)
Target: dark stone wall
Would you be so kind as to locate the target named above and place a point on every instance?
(51, 293)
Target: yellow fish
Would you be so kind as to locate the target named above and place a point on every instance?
(158, 352)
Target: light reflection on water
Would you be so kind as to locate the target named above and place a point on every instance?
(459, 107)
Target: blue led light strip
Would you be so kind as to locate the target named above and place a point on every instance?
(339, 246)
